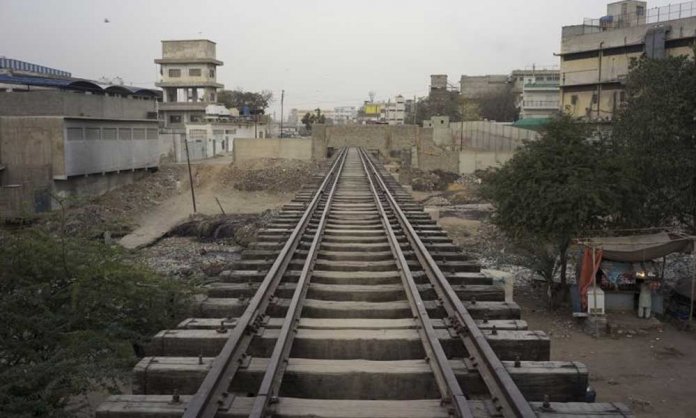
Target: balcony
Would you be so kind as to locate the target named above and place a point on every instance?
(541, 104)
(183, 106)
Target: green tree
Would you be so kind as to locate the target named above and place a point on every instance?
(440, 103)
(238, 99)
(552, 191)
(310, 119)
(655, 135)
(74, 314)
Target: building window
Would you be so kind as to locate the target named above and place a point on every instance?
(174, 72)
(211, 73)
(92, 134)
(574, 99)
(194, 72)
(138, 133)
(124, 134)
(152, 133)
(109, 133)
(594, 98)
(195, 118)
(174, 118)
(75, 134)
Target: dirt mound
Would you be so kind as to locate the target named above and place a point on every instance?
(115, 210)
(273, 175)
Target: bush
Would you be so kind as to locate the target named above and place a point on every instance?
(74, 314)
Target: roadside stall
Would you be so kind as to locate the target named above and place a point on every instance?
(627, 273)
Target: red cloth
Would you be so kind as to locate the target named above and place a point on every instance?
(588, 271)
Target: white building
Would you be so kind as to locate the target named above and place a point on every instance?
(345, 114)
(540, 100)
(206, 140)
(394, 112)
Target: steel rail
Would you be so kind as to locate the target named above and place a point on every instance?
(505, 393)
(212, 395)
(270, 385)
(449, 387)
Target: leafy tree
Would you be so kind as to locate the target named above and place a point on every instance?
(73, 312)
(238, 99)
(442, 103)
(311, 118)
(499, 106)
(552, 191)
(655, 135)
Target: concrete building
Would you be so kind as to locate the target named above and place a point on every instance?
(61, 144)
(344, 115)
(533, 75)
(209, 139)
(394, 111)
(188, 70)
(596, 55)
(540, 100)
(477, 86)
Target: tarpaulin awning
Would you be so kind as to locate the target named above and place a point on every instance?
(637, 248)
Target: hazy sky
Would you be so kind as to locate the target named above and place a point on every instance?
(322, 52)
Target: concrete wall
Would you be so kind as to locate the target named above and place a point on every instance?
(384, 138)
(487, 136)
(102, 146)
(471, 160)
(61, 103)
(474, 87)
(38, 161)
(185, 49)
(287, 148)
(27, 149)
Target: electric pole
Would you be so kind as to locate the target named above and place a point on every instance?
(282, 98)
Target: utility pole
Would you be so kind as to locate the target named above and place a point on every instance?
(282, 98)
(188, 163)
(599, 79)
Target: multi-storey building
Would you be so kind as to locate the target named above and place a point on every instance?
(344, 115)
(596, 56)
(394, 112)
(188, 71)
(539, 99)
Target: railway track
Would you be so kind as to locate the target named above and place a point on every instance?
(354, 303)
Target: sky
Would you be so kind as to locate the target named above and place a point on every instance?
(323, 53)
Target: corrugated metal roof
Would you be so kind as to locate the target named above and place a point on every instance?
(77, 84)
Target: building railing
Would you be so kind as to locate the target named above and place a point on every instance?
(649, 16)
(541, 104)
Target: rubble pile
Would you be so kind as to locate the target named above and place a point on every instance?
(114, 210)
(273, 175)
(185, 258)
